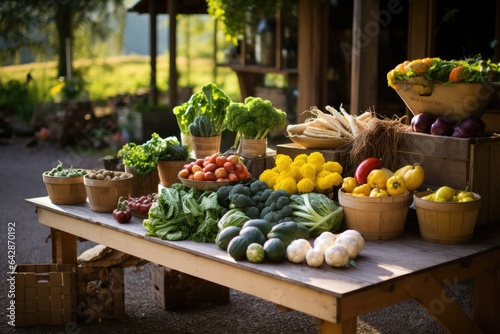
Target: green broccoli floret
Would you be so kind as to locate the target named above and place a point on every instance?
(254, 118)
(258, 186)
(282, 201)
(265, 211)
(265, 194)
(223, 196)
(240, 201)
(252, 212)
(275, 195)
(240, 189)
(260, 205)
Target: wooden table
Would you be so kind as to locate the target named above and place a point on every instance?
(387, 272)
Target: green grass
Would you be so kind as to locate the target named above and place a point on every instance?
(123, 75)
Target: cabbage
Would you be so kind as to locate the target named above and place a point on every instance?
(317, 212)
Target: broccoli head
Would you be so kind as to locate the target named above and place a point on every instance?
(258, 186)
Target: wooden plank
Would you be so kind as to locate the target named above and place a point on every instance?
(63, 247)
(421, 28)
(440, 305)
(487, 301)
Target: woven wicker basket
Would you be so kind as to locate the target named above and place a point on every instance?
(65, 190)
(205, 146)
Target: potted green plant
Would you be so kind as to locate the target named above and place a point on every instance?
(171, 160)
(141, 162)
(252, 120)
(202, 119)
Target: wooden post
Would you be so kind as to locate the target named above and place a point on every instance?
(421, 28)
(153, 89)
(63, 247)
(364, 56)
(312, 56)
(172, 80)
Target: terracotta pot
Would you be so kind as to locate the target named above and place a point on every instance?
(168, 171)
(143, 184)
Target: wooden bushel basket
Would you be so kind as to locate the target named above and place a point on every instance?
(446, 223)
(65, 190)
(104, 195)
(205, 146)
(253, 147)
(376, 218)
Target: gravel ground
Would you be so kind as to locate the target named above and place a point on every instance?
(20, 178)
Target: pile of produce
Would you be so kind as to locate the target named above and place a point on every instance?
(372, 180)
(141, 205)
(381, 138)
(181, 213)
(303, 174)
(332, 124)
(469, 70)
(442, 126)
(450, 195)
(59, 171)
(216, 167)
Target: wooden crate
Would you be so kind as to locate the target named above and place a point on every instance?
(101, 293)
(173, 290)
(45, 294)
(293, 150)
(456, 162)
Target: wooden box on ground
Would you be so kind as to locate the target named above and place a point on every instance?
(458, 162)
(173, 290)
(101, 292)
(45, 294)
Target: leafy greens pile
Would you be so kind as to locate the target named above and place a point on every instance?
(181, 213)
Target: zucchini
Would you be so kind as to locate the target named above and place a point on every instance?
(226, 235)
(274, 250)
(237, 248)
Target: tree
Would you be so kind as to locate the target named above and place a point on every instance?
(45, 26)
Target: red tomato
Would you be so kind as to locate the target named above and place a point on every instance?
(199, 176)
(199, 162)
(221, 160)
(184, 173)
(196, 168)
(213, 157)
(232, 177)
(211, 167)
(210, 176)
(233, 158)
(228, 166)
(239, 167)
(220, 173)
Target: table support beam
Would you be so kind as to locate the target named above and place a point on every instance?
(63, 247)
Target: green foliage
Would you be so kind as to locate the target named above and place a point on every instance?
(254, 118)
(144, 158)
(210, 101)
(174, 152)
(235, 15)
(15, 99)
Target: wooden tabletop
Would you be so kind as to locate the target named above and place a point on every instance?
(380, 265)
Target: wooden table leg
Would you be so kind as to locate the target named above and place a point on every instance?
(347, 326)
(487, 300)
(63, 247)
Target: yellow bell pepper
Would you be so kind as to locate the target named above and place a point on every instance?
(413, 175)
(464, 194)
(396, 185)
(377, 192)
(429, 197)
(377, 177)
(444, 194)
(362, 190)
(348, 184)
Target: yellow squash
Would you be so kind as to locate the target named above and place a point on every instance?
(413, 175)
